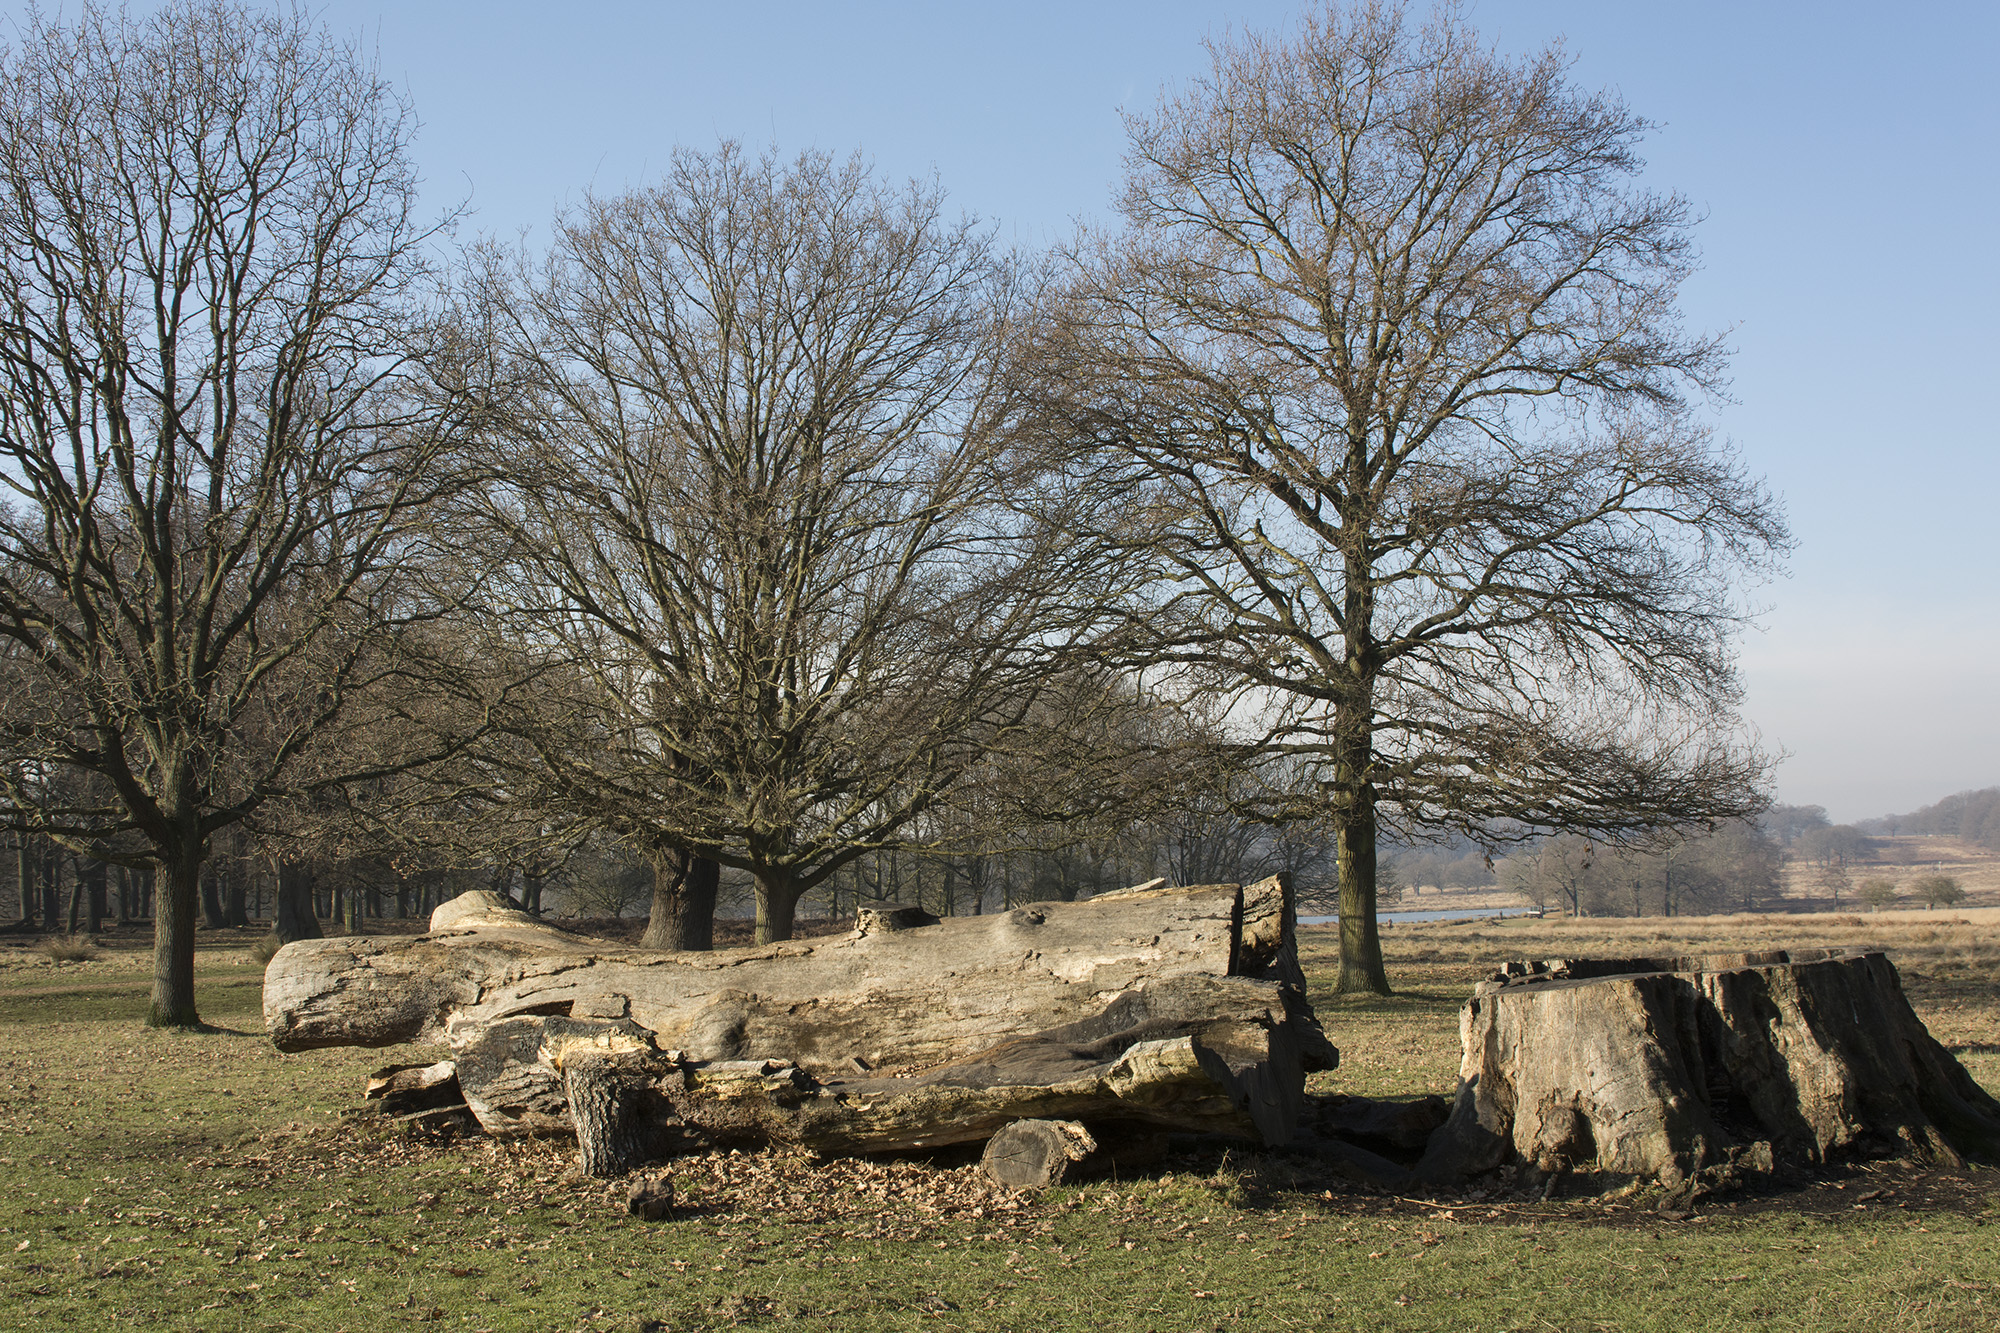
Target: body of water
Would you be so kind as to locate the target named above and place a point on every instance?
(1451, 914)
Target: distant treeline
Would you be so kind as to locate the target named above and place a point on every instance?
(1972, 816)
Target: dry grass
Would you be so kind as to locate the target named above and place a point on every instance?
(1408, 1043)
(70, 949)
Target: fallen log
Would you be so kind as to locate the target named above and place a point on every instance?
(1145, 1010)
(896, 996)
(1664, 1068)
(1035, 1154)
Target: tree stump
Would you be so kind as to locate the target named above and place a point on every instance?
(1035, 1154)
(608, 1107)
(1662, 1068)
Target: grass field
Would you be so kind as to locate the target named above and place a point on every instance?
(204, 1181)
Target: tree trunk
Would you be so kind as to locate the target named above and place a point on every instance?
(24, 866)
(97, 895)
(612, 1109)
(1036, 1154)
(1198, 1054)
(777, 902)
(75, 896)
(1668, 1068)
(51, 878)
(236, 898)
(1361, 967)
(178, 899)
(211, 900)
(295, 917)
(683, 908)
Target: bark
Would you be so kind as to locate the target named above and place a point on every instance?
(51, 878)
(612, 1106)
(650, 1197)
(296, 918)
(178, 900)
(1666, 1068)
(1204, 1055)
(96, 893)
(893, 998)
(24, 868)
(211, 900)
(1361, 968)
(1174, 1008)
(683, 910)
(236, 895)
(405, 1089)
(777, 904)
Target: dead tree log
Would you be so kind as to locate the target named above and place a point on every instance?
(1217, 1055)
(1663, 1068)
(1165, 1008)
(1035, 1154)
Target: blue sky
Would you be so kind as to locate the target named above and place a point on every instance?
(1844, 155)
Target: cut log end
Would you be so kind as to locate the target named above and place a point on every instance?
(1036, 1154)
(650, 1197)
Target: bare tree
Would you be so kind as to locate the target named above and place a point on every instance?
(754, 517)
(1557, 870)
(1390, 358)
(207, 248)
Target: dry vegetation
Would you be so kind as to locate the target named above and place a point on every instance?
(1408, 1043)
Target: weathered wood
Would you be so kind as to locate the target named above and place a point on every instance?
(611, 1102)
(406, 1089)
(1152, 1009)
(1662, 1068)
(1035, 1154)
(650, 1197)
(1217, 1055)
(896, 999)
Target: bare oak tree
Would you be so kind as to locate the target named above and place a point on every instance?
(1386, 371)
(206, 251)
(754, 519)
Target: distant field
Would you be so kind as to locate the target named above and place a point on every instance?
(205, 1181)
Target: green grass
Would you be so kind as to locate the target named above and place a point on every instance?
(204, 1181)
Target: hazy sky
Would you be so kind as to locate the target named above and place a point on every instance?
(1844, 155)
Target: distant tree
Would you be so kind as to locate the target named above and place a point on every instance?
(1877, 893)
(1938, 890)
(1787, 822)
(1835, 845)
(1973, 816)
(1557, 870)
(1387, 375)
